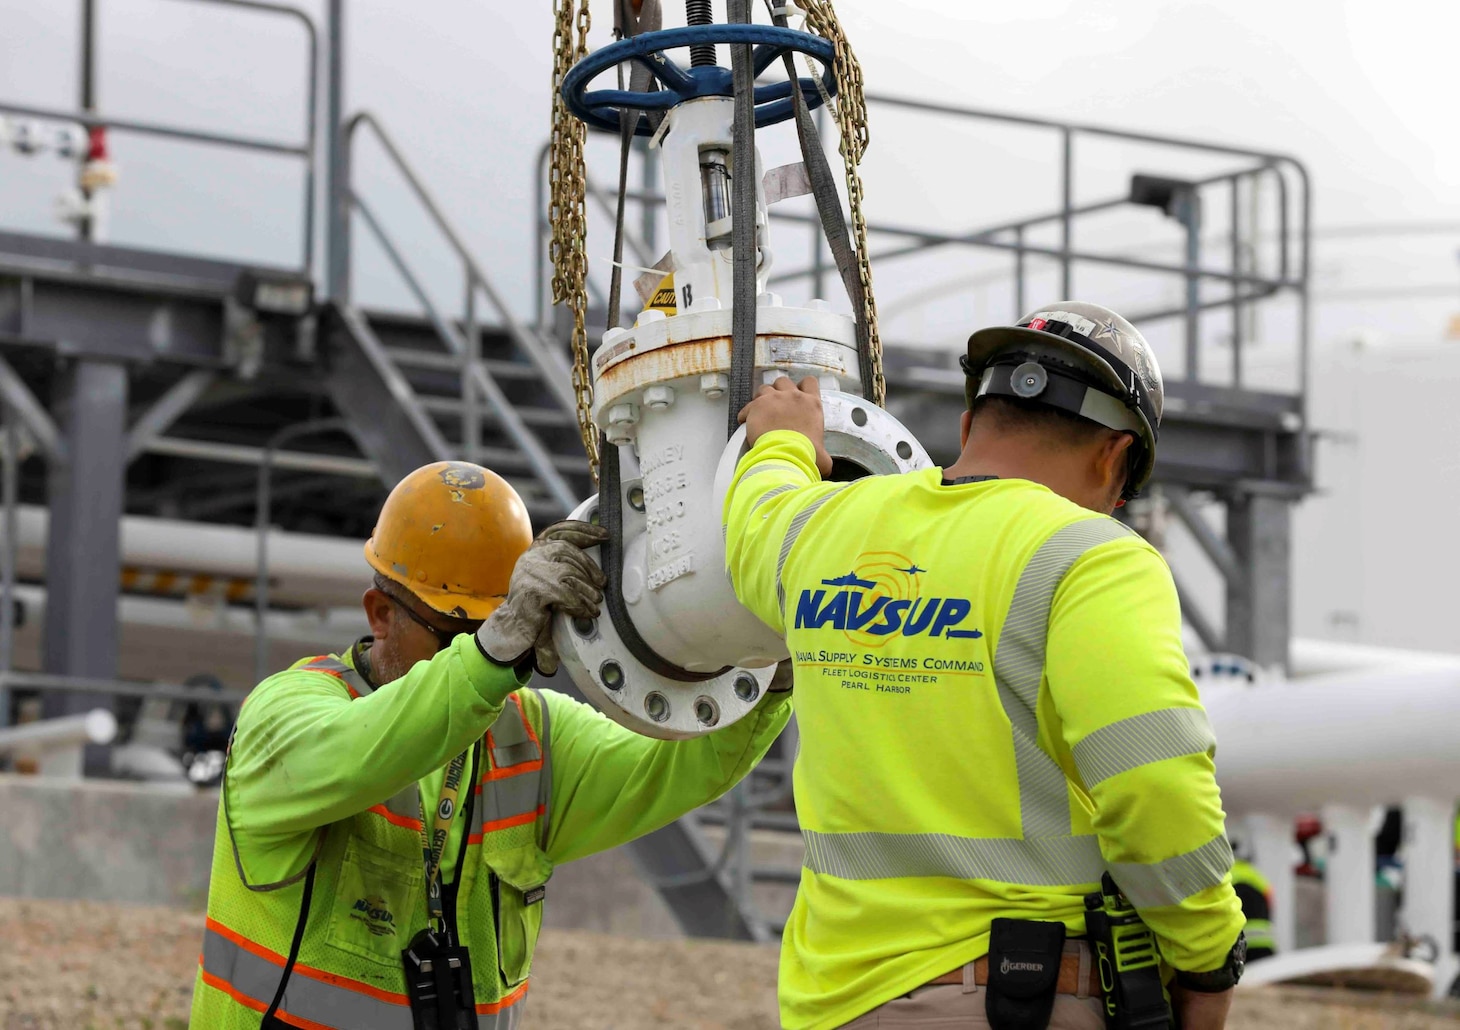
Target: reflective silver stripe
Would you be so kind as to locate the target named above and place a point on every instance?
(545, 774)
(511, 743)
(798, 523)
(774, 491)
(1044, 806)
(332, 666)
(1141, 740)
(1174, 880)
(773, 466)
(256, 977)
(405, 803)
(1045, 862)
(508, 1018)
(507, 797)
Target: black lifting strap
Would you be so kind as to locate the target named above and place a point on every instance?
(742, 214)
(611, 518)
(829, 207)
(627, 24)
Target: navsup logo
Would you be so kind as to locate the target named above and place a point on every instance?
(881, 598)
(372, 912)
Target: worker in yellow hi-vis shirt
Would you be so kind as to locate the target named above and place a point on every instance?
(994, 705)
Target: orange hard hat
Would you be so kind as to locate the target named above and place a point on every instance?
(451, 533)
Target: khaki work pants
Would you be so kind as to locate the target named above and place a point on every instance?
(951, 1007)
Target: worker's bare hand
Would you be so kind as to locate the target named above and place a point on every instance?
(1197, 1011)
(785, 404)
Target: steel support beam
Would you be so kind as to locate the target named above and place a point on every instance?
(167, 409)
(31, 412)
(675, 861)
(1217, 549)
(1196, 618)
(83, 559)
(1259, 528)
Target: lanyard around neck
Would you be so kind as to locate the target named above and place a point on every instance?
(433, 844)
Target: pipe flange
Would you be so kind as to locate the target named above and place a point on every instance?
(600, 664)
(861, 438)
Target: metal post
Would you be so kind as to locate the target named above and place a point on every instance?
(818, 256)
(471, 414)
(1019, 272)
(262, 505)
(1067, 204)
(83, 547)
(1259, 528)
(1428, 909)
(1348, 874)
(1237, 269)
(1189, 214)
(84, 226)
(338, 179)
(737, 831)
(9, 482)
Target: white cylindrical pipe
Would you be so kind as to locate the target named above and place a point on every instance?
(304, 569)
(1348, 875)
(1360, 739)
(1309, 657)
(97, 726)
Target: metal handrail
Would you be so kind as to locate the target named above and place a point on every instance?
(551, 365)
(1245, 288)
(116, 688)
(304, 150)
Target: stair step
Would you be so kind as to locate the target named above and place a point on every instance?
(439, 361)
(499, 459)
(542, 417)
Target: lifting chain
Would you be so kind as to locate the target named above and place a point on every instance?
(567, 181)
(850, 109)
(567, 214)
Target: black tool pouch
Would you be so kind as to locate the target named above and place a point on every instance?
(1024, 973)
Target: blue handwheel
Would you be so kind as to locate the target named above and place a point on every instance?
(600, 107)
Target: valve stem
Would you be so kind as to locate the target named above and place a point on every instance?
(700, 12)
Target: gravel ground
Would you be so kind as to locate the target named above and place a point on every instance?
(88, 966)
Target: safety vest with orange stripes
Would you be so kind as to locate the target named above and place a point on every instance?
(323, 948)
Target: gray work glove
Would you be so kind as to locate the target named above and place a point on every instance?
(554, 575)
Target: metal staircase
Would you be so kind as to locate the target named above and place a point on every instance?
(425, 389)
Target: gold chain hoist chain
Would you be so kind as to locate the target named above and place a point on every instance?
(850, 110)
(567, 214)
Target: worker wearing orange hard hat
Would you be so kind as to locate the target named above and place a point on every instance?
(391, 814)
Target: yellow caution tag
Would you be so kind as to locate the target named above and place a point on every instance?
(664, 298)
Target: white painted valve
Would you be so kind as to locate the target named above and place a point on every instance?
(661, 397)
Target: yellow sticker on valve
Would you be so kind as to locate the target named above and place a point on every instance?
(664, 298)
